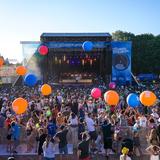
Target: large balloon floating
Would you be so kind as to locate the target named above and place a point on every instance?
(46, 89)
(30, 80)
(133, 100)
(19, 105)
(111, 97)
(148, 98)
(96, 93)
(43, 50)
(1, 61)
(21, 70)
(112, 85)
(87, 46)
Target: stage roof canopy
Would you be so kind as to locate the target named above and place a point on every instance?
(75, 35)
(79, 37)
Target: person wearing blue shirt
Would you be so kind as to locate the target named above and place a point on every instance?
(51, 128)
(15, 135)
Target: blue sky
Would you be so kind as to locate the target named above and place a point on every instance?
(25, 20)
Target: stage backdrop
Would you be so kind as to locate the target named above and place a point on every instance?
(121, 62)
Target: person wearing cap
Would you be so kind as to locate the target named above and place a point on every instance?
(124, 155)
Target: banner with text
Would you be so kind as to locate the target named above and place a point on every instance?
(121, 61)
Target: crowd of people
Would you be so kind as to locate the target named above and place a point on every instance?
(71, 116)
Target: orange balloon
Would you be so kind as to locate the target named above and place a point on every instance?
(19, 105)
(46, 90)
(111, 97)
(148, 98)
(1, 61)
(21, 70)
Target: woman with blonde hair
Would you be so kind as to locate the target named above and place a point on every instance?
(124, 155)
(29, 134)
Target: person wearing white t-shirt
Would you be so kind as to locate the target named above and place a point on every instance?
(125, 157)
(91, 129)
(60, 98)
(49, 149)
(155, 115)
(90, 123)
(143, 121)
(73, 122)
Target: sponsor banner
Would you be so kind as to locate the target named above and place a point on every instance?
(121, 61)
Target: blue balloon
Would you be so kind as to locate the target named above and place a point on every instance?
(133, 100)
(87, 46)
(30, 80)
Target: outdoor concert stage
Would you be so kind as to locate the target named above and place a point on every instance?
(68, 62)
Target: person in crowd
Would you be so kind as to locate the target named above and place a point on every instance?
(2, 126)
(158, 129)
(136, 144)
(51, 127)
(124, 155)
(41, 139)
(49, 148)
(54, 113)
(155, 115)
(117, 137)
(62, 138)
(83, 147)
(73, 123)
(107, 136)
(9, 138)
(60, 120)
(81, 128)
(154, 152)
(92, 130)
(143, 121)
(136, 126)
(122, 119)
(15, 135)
(151, 122)
(29, 134)
(153, 137)
(99, 142)
(74, 107)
